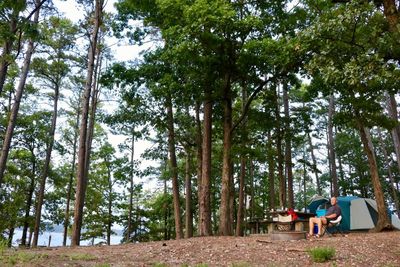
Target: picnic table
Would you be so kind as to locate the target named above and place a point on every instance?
(271, 222)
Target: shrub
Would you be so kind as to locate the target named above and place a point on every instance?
(322, 254)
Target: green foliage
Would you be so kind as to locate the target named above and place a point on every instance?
(322, 254)
(80, 257)
(16, 258)
(3, 245)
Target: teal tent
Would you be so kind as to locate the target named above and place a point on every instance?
(357, 213)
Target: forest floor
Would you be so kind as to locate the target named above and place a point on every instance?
(353, 249)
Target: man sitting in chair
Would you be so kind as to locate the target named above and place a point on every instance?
(332, 213)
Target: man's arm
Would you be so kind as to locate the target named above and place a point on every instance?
(330, 216)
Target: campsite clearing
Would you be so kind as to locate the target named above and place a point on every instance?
(354, 249)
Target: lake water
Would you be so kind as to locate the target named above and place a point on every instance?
(57, 239)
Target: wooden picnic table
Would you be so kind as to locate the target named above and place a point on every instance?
(300, 214)
(270, 224)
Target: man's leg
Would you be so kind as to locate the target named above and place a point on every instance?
(320, 223)
(311, 224)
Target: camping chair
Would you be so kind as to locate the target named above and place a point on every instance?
(333, 227)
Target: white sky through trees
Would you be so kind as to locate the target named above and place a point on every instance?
(122, 51)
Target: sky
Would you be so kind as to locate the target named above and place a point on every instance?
(122, 52)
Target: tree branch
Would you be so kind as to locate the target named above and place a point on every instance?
(36, 8)
(247, 106)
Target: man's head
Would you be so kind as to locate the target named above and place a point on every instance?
(333, 201)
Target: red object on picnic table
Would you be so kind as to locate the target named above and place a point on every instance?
(293, 213)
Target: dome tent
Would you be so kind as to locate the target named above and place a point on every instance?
(357, 213)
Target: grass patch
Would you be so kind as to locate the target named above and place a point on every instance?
(3, 245)
(241, 264)
(80, 257)
(322, 254)
(102, 265)
(21, 257)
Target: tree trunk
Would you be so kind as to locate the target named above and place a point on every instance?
(46, 166)
(271, 173)
(17, 101)
(390, 174)
(242, 174)
(10, 236)
(305, 181)
(252, 189)
(383, 219)
(232, 202)
(188, 200)
(205, 200)
(28, 205)
(8, 44)
(173, 168)
(83, 133)
(224, 222)
(69, 189)
(314, 160)
(110, 205)
(131, 174)
(199, 155)
(240, 212)
(331, 146)
(392, 110)
(391, 14)
(288, 148)
(282, 181)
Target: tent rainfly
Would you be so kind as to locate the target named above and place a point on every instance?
(357, 213)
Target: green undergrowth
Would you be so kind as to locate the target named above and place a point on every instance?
(80, 257)
(322, 254)
(13, 258)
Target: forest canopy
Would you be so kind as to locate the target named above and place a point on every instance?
(246, 106)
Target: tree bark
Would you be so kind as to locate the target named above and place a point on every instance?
(383, 219)
(241, 201)
(331, 146)
(205, 199)
(305, 181)
(46, 166)
(69, 189)
(395, 132)
(83, 133)
(174, 168)
(17, 101)
(199, 155)
(391, 14)
(166, 211)
(224, 222)
(7, 47)
(131, 174)
(28, 204)
(281, 177)
(10, 236)
(314, 160)
(110, 205)
(342, 179)
(271, 173)
(390, 174)
(288, 148)
(242, 174)
(252, 189)
(188, 200)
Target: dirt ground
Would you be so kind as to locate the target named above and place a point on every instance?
(354, 249)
